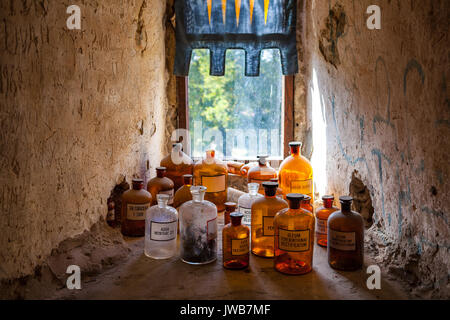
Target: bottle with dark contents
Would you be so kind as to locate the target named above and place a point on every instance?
(235, 241)
(346, 238)
(135, 204)
(229, 208)
(161, 184)
(111, 216)
(294, 238)
(183, 194)
(322, 215)
(306, 203)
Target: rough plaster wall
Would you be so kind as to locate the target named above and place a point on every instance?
(78, 110)
(384, 96)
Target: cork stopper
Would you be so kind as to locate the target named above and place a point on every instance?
(270, 188)
(328, 201)
(138, 184)
(161, 172)
(236, 218)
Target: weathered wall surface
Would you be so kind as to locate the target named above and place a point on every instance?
(78, 110)
(379, 104)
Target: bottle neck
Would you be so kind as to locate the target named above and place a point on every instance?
(236, 221)
(138, 185)
(346, 207)
(162, 203)
(295, 151)
(328, 203)
(160, 173)
(187, 181)
(198, 197)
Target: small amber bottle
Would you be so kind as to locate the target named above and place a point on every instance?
(229, 208)
(235, 240)
(260, 173)
(306, 203)
(161, 184)
(346, 237)
(183, 194)
(263, 211)
(322, 215)
(294, 237)
(279, 193)
(135, 203)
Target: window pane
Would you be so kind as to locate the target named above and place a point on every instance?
(238, 116)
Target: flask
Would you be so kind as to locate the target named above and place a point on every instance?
(183, 194)
(263, 212)
(198, 229)
(245, 203)
(177, 164)
(260, 173)
(322, 215)
(160, 184)
(235, 241)
(294, 237)
(135, 203)
(229, 208)
(345, 237)
(161, 229)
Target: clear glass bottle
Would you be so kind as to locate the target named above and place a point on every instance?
(294, 237)
(177, 164)
(322, 215)
(260, 173)
(212, 173)
(345, 237)
(161, 229)
(135, 203)
(183, 194)
(295, 174)
(198, 229)
(161, 184)
(229, 208)
(263, 211)
(245, 203)
(235, 242)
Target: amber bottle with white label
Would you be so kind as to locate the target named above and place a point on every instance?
(322, 215)
(294, 237)
(135, 203)
(212, 173)
(346, 238)
(295, 174)
(161, 184)
(263, 212)
(235, 242)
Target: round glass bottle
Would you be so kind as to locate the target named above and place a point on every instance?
(161, 230)
(135, 203)
(161, 184)
(198, 229)
(235, 242)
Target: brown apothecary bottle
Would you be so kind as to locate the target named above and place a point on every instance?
(229, 208)
(177, 164)
(263, 212)
(306, 203)
(135, 203)
(183, 194)
(322, 215)
(235, 241)
(161, 184)
(345, 237)
(260, 173)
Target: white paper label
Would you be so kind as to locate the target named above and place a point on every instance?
(170, 193)
(163, 231)
(301, 186)
(293, 240)
(268, 226)
(239, 247)
(247, 218)
(213, 183)
(344, 241)
(137, 211)
(211, 229)
(321, 226)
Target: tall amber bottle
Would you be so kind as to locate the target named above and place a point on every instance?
(294, 238)
(263, 212)
(322, 215)
(183, 194)
(177, 164)
(135, 204)
(161, 184)
(212, 173)
(295, 174)
(346, 237)
(235, 241)
(260, 173)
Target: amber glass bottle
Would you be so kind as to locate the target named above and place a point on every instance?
(246, 167)
(160, 184)
(263, 211)
(295, 173)
(135, 203)
(212, 173)
(279, 193)
(260, 173)
(346, 237)
(177, 164)
(235, 241)
(183, 194)
(294, 237)
(229, 208)
(322, 215)
(234, 167)
(306, 203)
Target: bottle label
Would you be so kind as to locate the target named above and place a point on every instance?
(301, 186)
(293, 240)
(110, 215)
(163, 231)
(239, 247)
(321, 226)
(247, 218)
(268, 226)
(211, 229)
(213, 183)
(344, 241)
(170, 193)
(137, 211)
